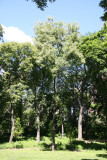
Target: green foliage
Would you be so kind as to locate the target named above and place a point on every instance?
(18, 145)
(27, 74)
(103, 4)
(18, 130)
(88, 145)
(1, 33)
(61, 144)
(79, 148)
(42, 3)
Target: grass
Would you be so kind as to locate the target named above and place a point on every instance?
(32, 154)
(31, 150)
(61, 144)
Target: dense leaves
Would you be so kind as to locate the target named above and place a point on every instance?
(1, 33)
(42, 3)
(55, 86)
(103, 4)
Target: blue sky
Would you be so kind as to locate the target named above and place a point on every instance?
(19, 16)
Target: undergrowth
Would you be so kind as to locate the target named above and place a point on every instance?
(61, 144)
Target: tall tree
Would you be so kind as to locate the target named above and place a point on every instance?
(95, 52)
(9, 65)
(56, 44)
(11, 59)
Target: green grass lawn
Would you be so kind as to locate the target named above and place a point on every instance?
(32, 154)
(31, 150)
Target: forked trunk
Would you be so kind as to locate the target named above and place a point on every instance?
(12, 123)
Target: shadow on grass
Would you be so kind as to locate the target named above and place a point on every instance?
(102, 155)
(48, 147)
(45, 147)
(75, 145)
(89, 159)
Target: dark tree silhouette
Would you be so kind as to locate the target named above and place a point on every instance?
(42, 3)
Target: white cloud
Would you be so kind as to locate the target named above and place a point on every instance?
(15, 34)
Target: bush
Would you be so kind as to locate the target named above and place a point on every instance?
(18, 130)
(18, 145)
(79, 148)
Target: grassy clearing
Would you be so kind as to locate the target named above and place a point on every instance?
(31, 150)
(61, 144)
(32, 154)
(44, 144)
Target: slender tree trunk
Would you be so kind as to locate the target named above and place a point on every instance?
(80, 123)
(62, 130)
(38, 124)
(53, 125)
(39, 108)
(86, 126)
(12, 123)
(106, 127)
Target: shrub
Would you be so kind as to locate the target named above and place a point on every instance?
(18, 129)
(18, 145)
(79, 148)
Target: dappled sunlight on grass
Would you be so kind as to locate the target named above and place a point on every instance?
(61, 144)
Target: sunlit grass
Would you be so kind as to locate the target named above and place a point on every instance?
(31, 150)
(32, 154)
(61, 144)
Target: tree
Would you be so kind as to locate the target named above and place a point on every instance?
(42, 3)
(11, 61)
(103, 4)
(1, 33)
(95, 52)
(56, 49)
(9, 65)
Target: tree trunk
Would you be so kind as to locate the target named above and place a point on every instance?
(80, 123)
(86, 126)
(38, 124)
(62, 130)
(12, 123)
(106, 127)
(53, 125)
(39, 108)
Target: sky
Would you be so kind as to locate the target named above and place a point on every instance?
(18, 17)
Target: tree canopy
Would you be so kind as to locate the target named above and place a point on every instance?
(1, 32)
(103, 4)
(42, 3)
(55, 86)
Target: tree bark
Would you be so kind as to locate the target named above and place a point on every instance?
(106, 127)
(39, 109)
(12, 123)
(80, 123)
(38, 124)
(86, 126)
(62, 130)
(53, 124)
